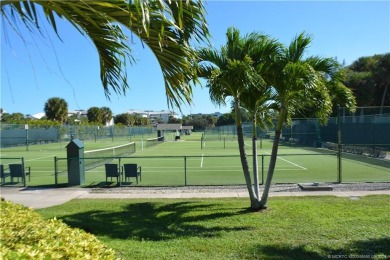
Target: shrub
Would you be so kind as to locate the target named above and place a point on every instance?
(24, 234)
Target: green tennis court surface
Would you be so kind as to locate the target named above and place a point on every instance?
(190, 162)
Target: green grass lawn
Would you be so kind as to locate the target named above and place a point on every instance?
(292, 228)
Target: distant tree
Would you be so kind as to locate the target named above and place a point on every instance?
(173, 120)
(94, 115)
(56, 109)
(369, 79)
(138, 120)
(199, 122)
(211, 120)
(382, 77)
(124, 119)
(15, 118)
(106, 115)
(145, 121)
(43, 123)
(226, 119)
(133, 119)
(159, 120)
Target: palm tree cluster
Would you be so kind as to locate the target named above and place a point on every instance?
(98, 115)
(262, 75)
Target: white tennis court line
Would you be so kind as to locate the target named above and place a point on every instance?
(201, 161)
(303, 168)
(39, 158)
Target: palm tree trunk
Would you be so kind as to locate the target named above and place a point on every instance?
(255, 203)
(274, 155)
(255, 162)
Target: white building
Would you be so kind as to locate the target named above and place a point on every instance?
(36, 116)
(154, 116)
(78, 113)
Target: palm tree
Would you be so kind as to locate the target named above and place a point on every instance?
(94, 115)
(300, 82)
(231, 72)
(257, 101)
(56, 109)
(106, 114)
(165, 26)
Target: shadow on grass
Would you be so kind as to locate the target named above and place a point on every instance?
(362, 249)
(365, 248)
(153, 221)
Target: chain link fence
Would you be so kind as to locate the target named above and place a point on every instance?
(210, 170)
(25, 135)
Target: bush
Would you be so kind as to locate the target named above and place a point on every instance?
(24, 234)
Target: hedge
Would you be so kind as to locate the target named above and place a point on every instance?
(24, 234)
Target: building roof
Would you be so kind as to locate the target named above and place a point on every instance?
(169, 126)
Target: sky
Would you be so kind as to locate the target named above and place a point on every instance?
(34, 69)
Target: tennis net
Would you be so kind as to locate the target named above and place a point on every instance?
(154, 141)
(95, 158)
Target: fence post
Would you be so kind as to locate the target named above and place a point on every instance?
(262, 169)
(55, 171)
(339, 147)
(185, 170)
(24, 173)
(121, 173)
(26, 128)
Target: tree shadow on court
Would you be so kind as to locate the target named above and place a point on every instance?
(361, 249)
(153, 221)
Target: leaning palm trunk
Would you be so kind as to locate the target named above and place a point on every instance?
(274, 155)
(255, 204)
(255, 162)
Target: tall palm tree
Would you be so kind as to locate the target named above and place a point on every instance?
(165, 26)
(56, 109)
(231, 72)
(300, 82)
(257, 101)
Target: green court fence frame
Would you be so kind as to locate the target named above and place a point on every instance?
(183, 169)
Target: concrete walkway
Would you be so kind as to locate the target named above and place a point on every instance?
(43, 198)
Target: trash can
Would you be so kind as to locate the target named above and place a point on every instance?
(75, 155)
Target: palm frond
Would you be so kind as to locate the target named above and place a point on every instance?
(109, 39)
(297, 47)
(166, 27)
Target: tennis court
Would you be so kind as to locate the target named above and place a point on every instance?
(192, 162)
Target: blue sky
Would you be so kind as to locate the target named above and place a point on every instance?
(36, 69)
